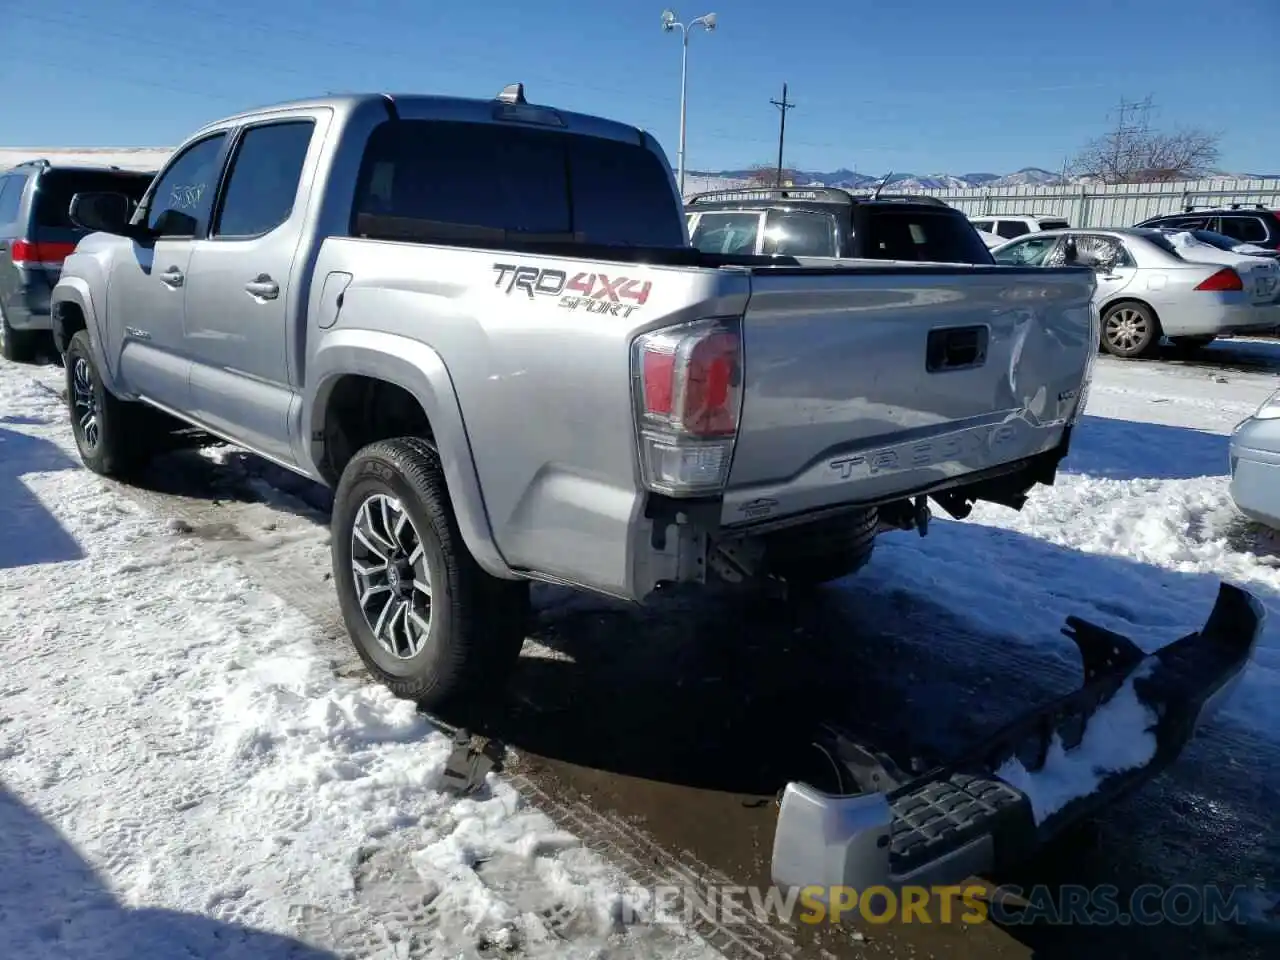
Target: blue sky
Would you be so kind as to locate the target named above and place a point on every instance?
(923, 87)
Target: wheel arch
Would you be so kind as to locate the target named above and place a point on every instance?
(370, 385)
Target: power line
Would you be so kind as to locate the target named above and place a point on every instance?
(783, 106)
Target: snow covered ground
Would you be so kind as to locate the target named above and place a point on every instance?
(181, 767)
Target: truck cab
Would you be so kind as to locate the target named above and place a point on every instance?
(832, 222)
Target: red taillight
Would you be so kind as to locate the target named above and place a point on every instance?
(28, 253)
(688, 399)
(1223, 281)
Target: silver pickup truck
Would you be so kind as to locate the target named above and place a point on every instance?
(482, 323)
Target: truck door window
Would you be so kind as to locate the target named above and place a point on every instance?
(793, 233)
(732, 232)
(183, 196)
(264, 177)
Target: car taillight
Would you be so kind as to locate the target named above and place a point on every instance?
(687, 383)
(1224, 280)
(29, 253)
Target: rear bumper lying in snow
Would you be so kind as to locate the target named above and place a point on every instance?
(1038, 775)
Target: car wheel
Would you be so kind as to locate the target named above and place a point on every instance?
(114, 436)
(16, 346)
(427, 621)
(810, 556)
(1130, 330)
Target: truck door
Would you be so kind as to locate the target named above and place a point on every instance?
(147, 292)
(241, 304)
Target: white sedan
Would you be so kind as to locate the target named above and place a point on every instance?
(1148, 288)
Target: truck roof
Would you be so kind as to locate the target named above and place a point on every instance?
(413, 105)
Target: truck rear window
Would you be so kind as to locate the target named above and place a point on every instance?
(57, 187)
(919, 235)
(467, 181)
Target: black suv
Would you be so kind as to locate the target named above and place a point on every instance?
(832, 222)
(1256, 225)
(36, 235)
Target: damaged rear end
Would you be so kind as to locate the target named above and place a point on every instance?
(1029, 781)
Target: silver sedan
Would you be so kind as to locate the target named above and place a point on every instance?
(1146, 289)
(1255, 464)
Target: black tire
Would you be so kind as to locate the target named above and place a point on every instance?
(1193, 343)
(126, 432)
(1130, 330)
(477, 622)
(17, 346)
(820, 553)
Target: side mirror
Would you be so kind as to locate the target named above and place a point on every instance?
(102, 212)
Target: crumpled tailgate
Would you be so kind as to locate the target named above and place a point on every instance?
(861, 384)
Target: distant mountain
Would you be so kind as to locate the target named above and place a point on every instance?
(1026, 177)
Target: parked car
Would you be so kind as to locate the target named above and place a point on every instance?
(1224, 243)
(1256, 225)
(36, 235)
(832, 222)
(1255, 464)
(1011, 226)
(483, 324)
(1147, 290)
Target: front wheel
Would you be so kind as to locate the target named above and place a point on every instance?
(1130, 330)
(113, 436)
(427, 621)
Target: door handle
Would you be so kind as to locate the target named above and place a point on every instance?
(172, 277)
(263, 287)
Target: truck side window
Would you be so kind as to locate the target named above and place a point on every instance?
(263, 182)
(183, 195)
(1011, 228)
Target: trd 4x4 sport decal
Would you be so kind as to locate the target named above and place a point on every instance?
(592, 292)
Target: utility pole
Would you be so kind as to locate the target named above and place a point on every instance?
(783, 106)
(1129, 135)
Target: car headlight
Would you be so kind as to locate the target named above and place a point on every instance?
(1270, 409)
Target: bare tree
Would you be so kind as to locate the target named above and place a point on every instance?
(766, 175)
(1137, 155)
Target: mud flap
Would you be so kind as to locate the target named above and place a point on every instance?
(1048, 769)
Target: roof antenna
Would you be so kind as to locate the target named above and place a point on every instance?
(513, 93)
(876, 195)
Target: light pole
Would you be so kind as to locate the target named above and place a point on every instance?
(669, 22)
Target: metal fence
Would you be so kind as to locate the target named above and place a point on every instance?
(1091, 205)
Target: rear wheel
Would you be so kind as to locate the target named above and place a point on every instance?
(17, 346)
(819, 553)
(427, 621)
(1130, 330)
